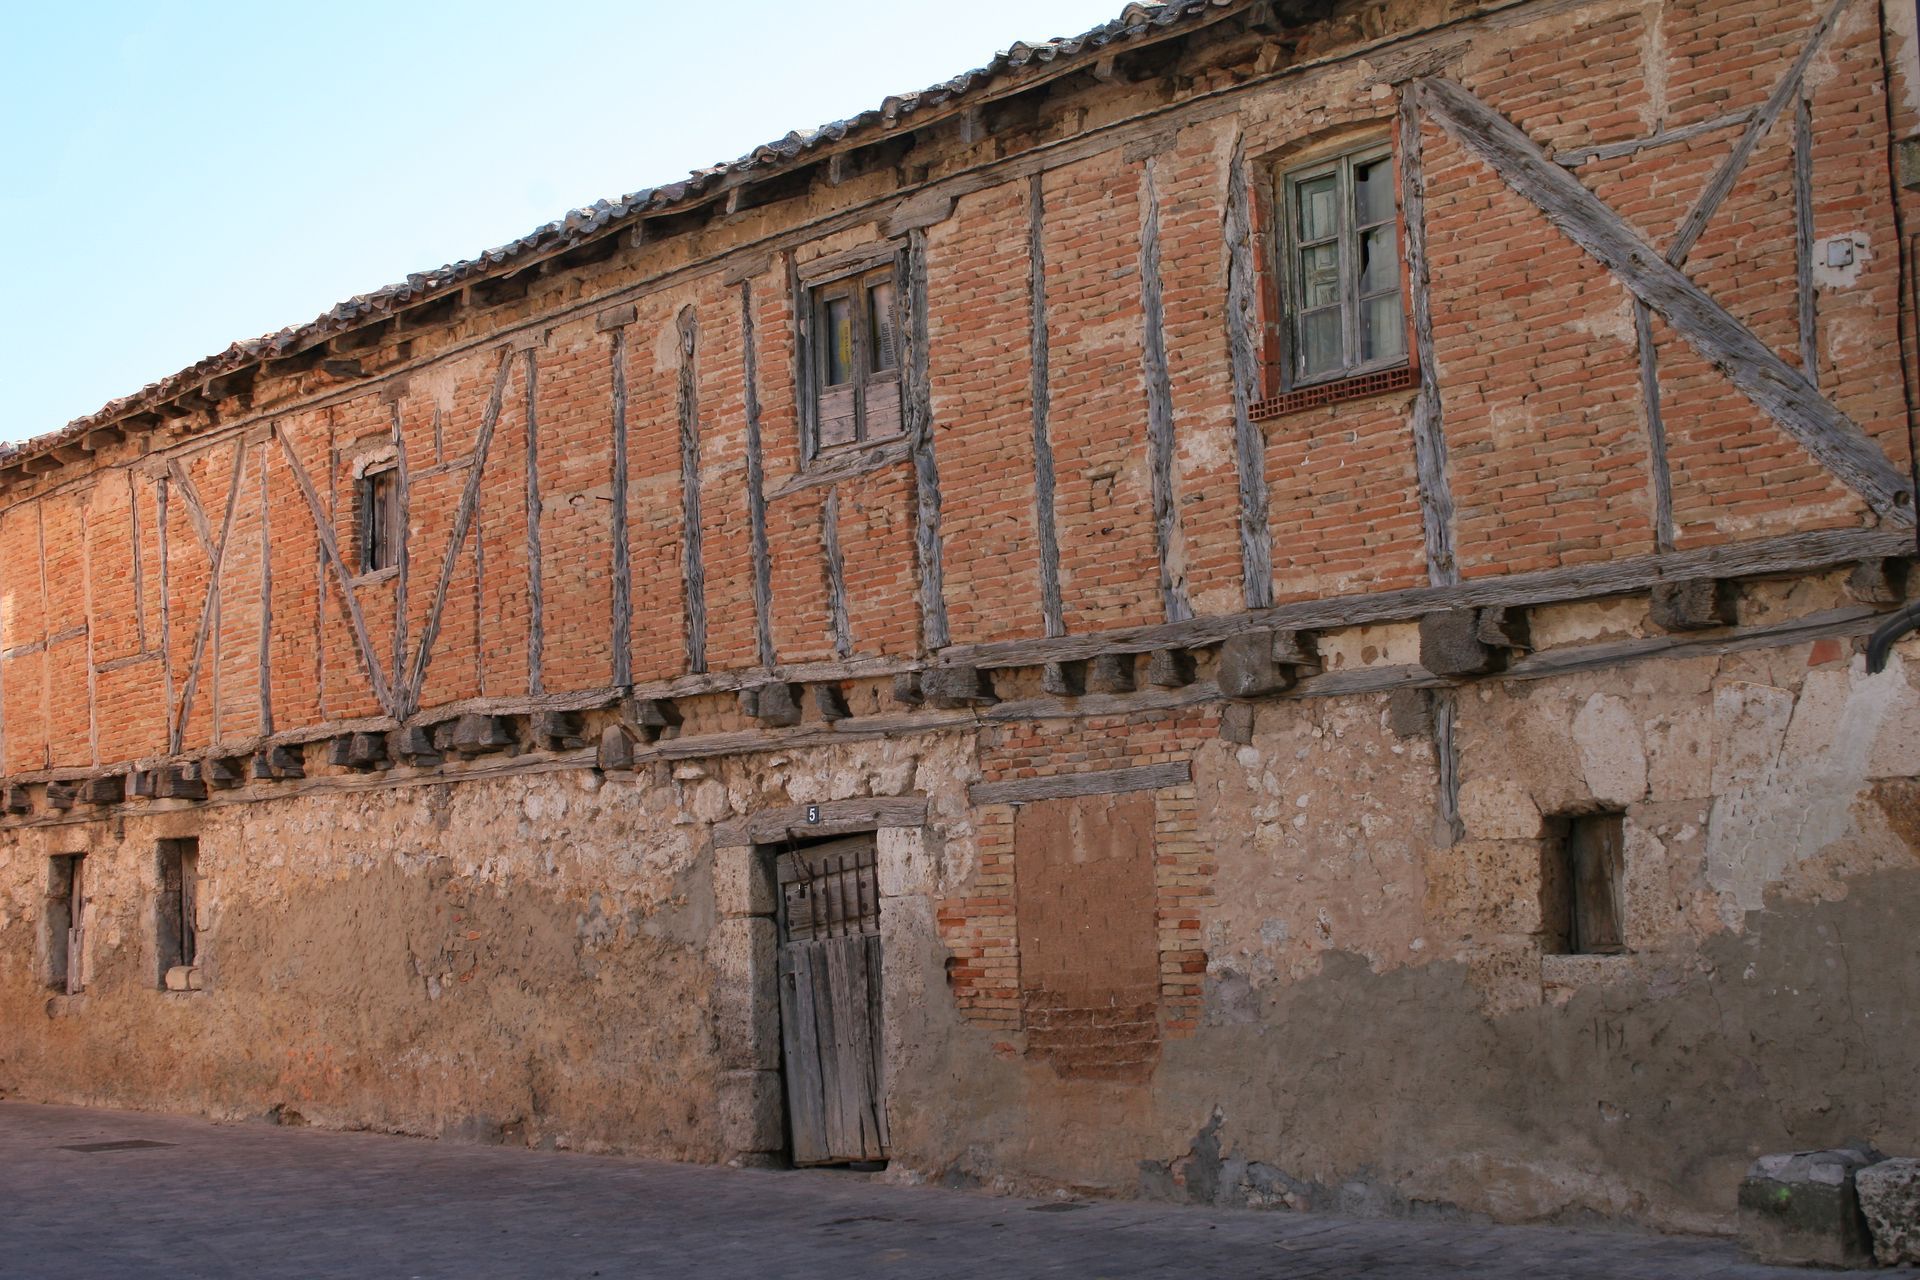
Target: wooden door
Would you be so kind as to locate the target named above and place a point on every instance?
(830, 1002)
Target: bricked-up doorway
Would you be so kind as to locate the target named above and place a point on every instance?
(1089, 952)
(829, 977)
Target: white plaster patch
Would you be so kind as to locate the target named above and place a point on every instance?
(1839, 259)
(1778, 811)
(1612, 759)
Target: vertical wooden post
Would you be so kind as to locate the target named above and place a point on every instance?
(1803, 236)
(622, 568)
(536, 631)
(926, 472)
(756, 486)
(692, 570)
(266, 596)
(1429, 435)
(1250, 442)
(836, 574)
(1052, 612)
(1159, 383)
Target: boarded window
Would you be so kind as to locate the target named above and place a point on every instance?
(1583, 886)
(1339, 232)
(1089, 945)
(66, 902)
(173, 930)
(856, 359)
(379, 519)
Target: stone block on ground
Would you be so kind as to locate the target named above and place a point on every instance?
(1889, 1195)
(1802, 1209)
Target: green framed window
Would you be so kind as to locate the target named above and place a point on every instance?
(1344, 304)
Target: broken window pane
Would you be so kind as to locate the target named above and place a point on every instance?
(1379, 267)
(1373, 191)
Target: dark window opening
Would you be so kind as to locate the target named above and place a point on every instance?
(66, 900)
(379, 519)
(856, 359)
(1343, 306)
(1582, 896)
(174, 933)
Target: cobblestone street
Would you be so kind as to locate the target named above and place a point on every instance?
(198, 1199)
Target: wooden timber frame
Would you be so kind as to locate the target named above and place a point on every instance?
(1790, 396)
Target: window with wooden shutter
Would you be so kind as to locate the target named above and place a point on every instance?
(1583, 886)
(174, 933)
(379, 518)
(856, 359)
(66, 904)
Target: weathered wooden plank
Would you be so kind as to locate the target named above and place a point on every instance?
(161, 489)
(1159, 384)
(837, 817)
(1446, 747)
(1785, 554)
(1803, 237)
(536, 594)
(1659, 470)
(139, 559)
(1429, 431)
(1577, 156)
(756, 486)
(1779, 389)
(622, 604)
(881, 1138)
(918, 406)
(210, 608)
(463, 516)
(266, 597)
(1098, 782)
(323, 526)
(805, 1077)
(845, 465)
(1721, 184)
(1046, 528)
(402, 537)
(837, 615)
(91, 628)
(196, 513)
(1250, 441)
(692, 569)
(853, 976)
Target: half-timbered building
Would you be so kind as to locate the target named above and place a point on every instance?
(1269, 605)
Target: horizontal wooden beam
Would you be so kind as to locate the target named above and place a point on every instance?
(1099, 782)
(1790, 553)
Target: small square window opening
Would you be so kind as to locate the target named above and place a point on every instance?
(379, 519)
(1583, 877)
(66, 900)
(857, 359)
(1343, 306)
(174, 934)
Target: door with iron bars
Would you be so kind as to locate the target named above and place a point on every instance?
(830, 1001)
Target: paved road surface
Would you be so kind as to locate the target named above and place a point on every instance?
(256, 1201)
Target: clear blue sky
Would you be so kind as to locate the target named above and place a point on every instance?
(174, 177)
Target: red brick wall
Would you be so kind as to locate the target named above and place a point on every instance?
(1534, 357)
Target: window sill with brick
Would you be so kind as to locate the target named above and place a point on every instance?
(1359, 386)
(374, 577)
